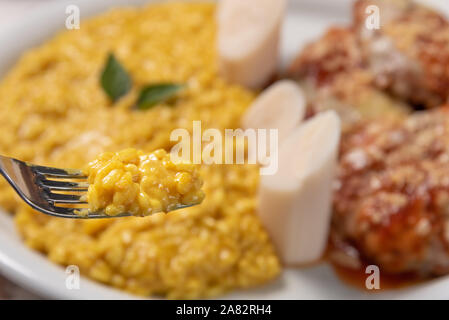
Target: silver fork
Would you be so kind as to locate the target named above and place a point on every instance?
(36, 185)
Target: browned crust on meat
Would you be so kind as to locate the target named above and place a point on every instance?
(332, 72)
(421, 35)
(335, 53)
(392, 200)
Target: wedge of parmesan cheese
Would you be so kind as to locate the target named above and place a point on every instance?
(248, 40)
(295, 203)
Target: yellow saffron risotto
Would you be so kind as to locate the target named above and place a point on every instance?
(53, 111)
(130, 181)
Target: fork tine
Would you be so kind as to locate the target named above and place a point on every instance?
(57, 172)
(62, 185)
(65, 198)
(63, 212)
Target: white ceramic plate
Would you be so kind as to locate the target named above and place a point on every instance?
(306, 19)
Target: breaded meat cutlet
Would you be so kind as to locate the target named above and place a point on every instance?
(409, 54)
(333, 74)
(391, 200)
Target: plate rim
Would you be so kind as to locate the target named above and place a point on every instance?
(24, 275)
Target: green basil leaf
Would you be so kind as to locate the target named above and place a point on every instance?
(153, 94)
(114, 79)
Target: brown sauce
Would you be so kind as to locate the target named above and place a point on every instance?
(357, 278)
(354, 274)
